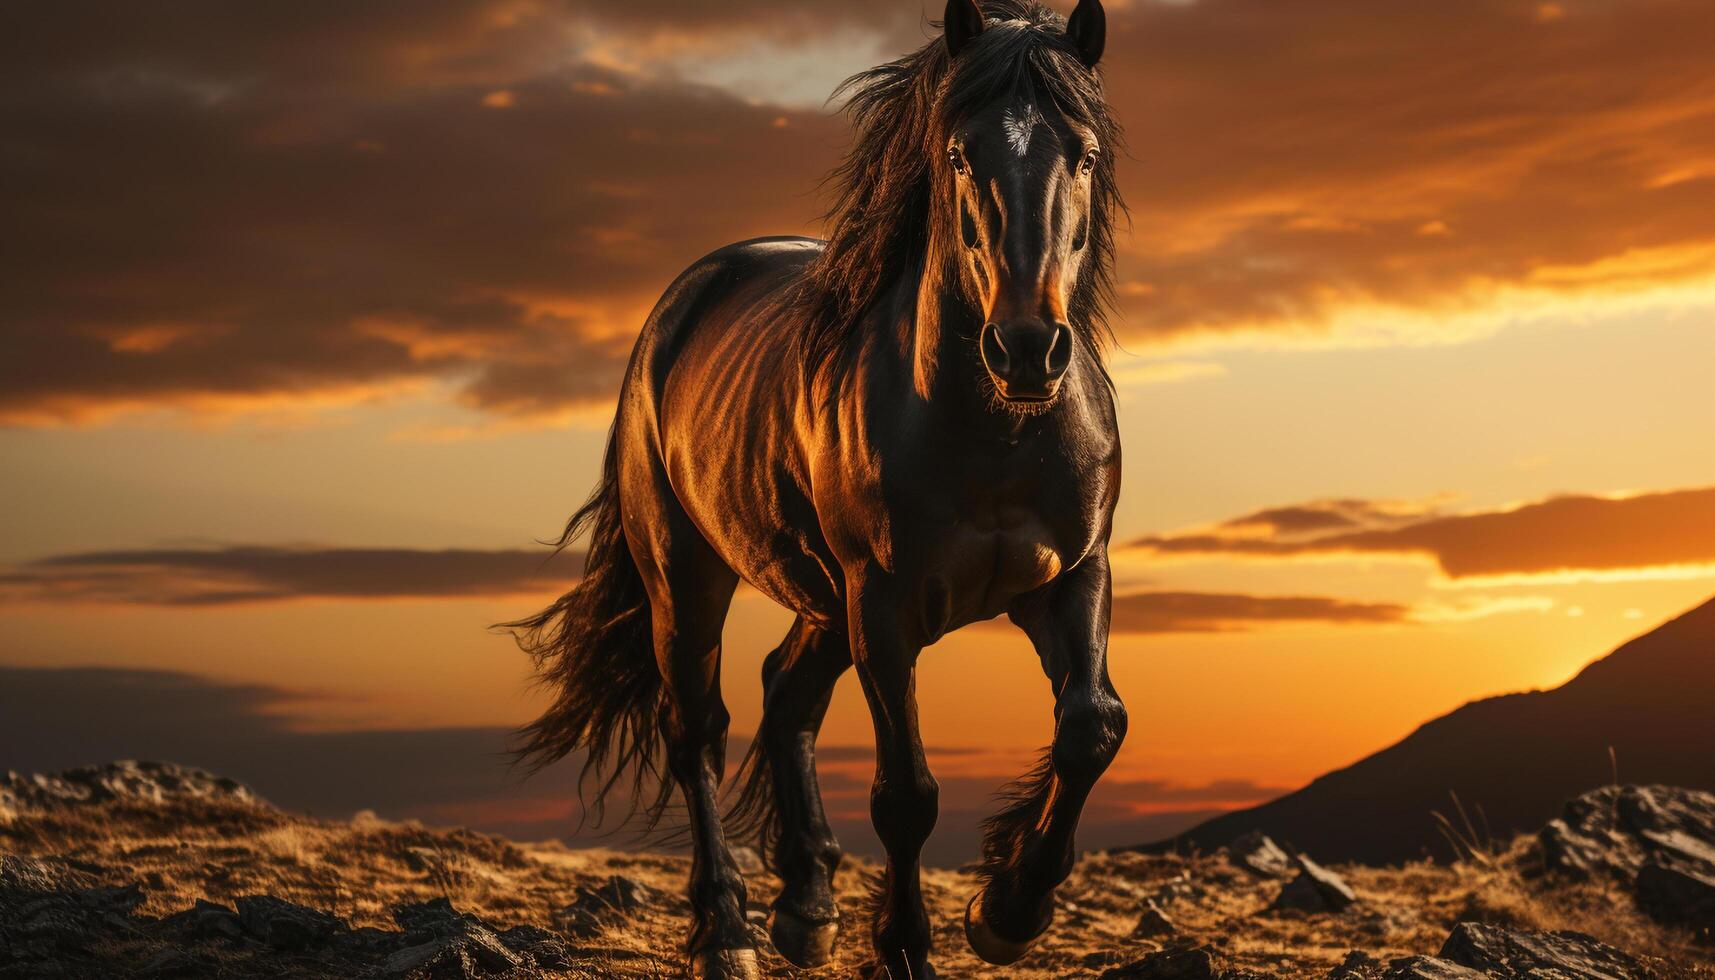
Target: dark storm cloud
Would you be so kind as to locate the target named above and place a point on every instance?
(215, 204)
(56, 718)
(209, 577)
(1566, 534)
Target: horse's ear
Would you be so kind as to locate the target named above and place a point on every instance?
(1087, 29)
(963, 22)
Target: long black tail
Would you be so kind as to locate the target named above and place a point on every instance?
(593, 649)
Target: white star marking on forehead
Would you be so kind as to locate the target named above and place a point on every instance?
(1020, 124)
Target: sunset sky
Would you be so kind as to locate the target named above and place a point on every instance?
(312, 316)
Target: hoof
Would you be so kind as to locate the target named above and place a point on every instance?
(802, 942)
(986, 944)
(725, 964)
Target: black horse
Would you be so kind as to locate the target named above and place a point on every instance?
(894, 433)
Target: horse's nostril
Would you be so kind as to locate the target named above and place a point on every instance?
(1059, 356)
(995, 354)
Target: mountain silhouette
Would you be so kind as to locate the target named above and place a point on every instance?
(1512, 760)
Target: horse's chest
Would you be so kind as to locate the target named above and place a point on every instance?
(977, 563)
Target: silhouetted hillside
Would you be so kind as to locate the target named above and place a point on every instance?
(1514, 758)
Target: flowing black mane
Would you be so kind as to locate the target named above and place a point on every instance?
(901, 113)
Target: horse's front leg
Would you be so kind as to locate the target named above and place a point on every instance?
(1027, 848)
(903, 798)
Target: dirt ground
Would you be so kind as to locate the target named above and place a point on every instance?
(219, 851)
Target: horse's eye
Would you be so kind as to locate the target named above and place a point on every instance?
(1088, 166)
(956, 159)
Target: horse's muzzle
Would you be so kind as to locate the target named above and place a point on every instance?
(1027, 358)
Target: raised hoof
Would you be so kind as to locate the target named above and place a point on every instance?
(802, 942)
(986, 944)
(725, 964)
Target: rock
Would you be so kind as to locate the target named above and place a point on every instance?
(749, 862)
(286, 925)
(436, 923)
(1257, 853)
(111, 899)
(1333, 887)
(1300, 894)
(608, 902)
(1430, 968)
(1358, 965)
(171, 962)
(61, 931)
(545, 948)
(1503, 953)
(47, 929)
(141, 782)
(487, 950)
(1316, 889)
(435, 917)
(430, 960)
(440, 941)
(1169, 964)
(1152, 923)
(205, 920)
(1677, 890)
(1615, 830)
(621, 894)
(1659, 839)
(102, 909)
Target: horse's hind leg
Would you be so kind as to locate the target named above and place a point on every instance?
(690, 590)
(1028, 850)
(799, 678)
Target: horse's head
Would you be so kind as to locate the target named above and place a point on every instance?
(1020, 184)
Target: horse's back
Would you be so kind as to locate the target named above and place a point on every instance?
(717, 294)
(711, 399)
(714, 292)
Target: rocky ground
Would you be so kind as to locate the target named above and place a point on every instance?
(157, 871)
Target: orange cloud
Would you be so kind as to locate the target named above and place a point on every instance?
(1206, 612)
(1559, 536)
(1141, 613)
(1301, 161)
(358, 221)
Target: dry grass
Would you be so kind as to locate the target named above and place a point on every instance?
(359, 870)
